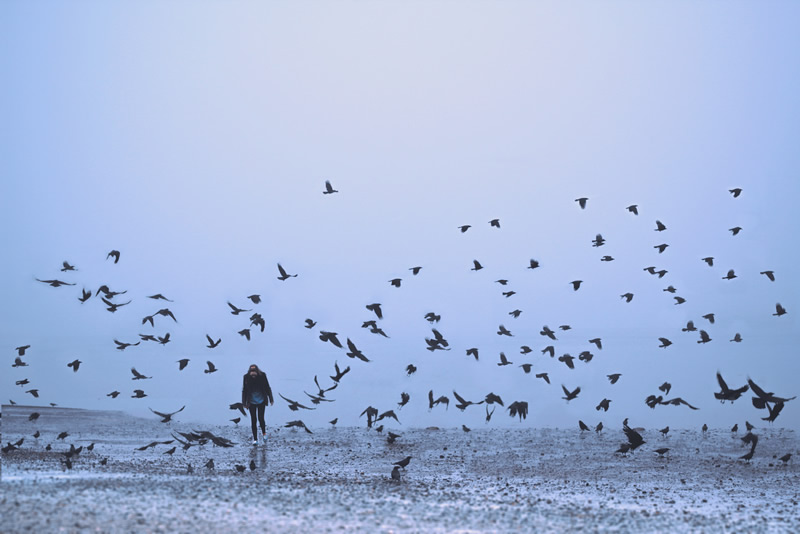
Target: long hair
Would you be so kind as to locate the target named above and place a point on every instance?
(254, 366)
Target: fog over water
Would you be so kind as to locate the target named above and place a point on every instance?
(197, 140)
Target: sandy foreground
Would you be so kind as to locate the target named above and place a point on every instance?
(338, 479)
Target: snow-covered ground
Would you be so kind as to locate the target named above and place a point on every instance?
(339, 479)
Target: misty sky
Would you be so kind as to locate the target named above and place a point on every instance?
(196, 138)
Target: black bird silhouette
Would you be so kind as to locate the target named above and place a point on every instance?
(582, 202)
(114, 306)
(704, 337)
(661, 248)
(763, 397)
(354, 352)
(310, 324)
(283, 274)
(689, 327)
(211, 343)
(463, 403)
(679, 300)
(664, 342)
(598, 241)
(504, 360)
(297, 424)
(411, 369)
(137, 375)
(614, 377)
(21, 350)
(583, 426)
(709, 260)
(735, 230)
(85, 295)
(294, 405)
(786, 457)
(329, 190)
(569, 395)
(543, 376)
(165, 312)
(633, 208)
(334, 421)
(518, 408)
(476, 265)
(376, 308)
(726, 393)
(331, 337)
(603, 405)
(665, 387)
(533, 264)
(576, 284)
(503, 331)
(138, 394)
(491, 398)
(779, 310)
(163, 340)
(526, 367)
(464, 227)
(403, 463)
(432, 317)
(339, 373)
(545, 331)
(122, 346)
(660, 226)
(415, 270)
(598, 342)
(627, 296)
(211, 368)
(669, 289)
(550, 349)
(237, 406)
(236, 311)
(567, 359)
(495, 223)
(113, 254)
(634, 438)
(166, 417)
(769, 274)
(677, 401)
(245, 332)
(255, 299)
(736, 191)
(730, 276)
(113, 394)
(371, 413)
(55, 283)
(404, 398)
(396, 282)
(74, 364)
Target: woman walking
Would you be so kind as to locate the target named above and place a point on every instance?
(256, 393)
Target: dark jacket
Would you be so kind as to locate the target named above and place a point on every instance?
(259, 383)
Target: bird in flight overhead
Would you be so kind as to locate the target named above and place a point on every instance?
(55, 283)
(582, 202)
(113, 254)
(329, 188)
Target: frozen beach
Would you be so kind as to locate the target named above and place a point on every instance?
(338, 479)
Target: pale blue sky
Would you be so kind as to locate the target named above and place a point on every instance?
(196, 139)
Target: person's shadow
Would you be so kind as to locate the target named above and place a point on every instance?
(259, 456)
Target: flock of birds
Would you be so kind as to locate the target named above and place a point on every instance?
(115, 300)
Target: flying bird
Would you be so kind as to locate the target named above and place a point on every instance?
(211, 368)
(664, 342)
(55, 283)
(354, 352)
(709, 260)
(329, 188)
(211, 343)
(137, 375)
(74, 364)
(576, 284)
(284, 275)
(310, 324)
(569, 395)
(730, 276)
(613, 377)
(779, 310)
(504, 360)
(726, 393)
(166, 417)
(704, 337)
(113, 254)
(495, 223)
(330, 337)
(476, 265)
(294, 405)
(236, 311)
(543, 376)
(518, 408)
(769, 274)
(375, 308)
(735, 230)
(182, 363)
(633, 208)
(464, 227)
(660, 226)
(415, 270)
(396, 282)
(582, 202)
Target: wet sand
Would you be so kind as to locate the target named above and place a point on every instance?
(338, 479)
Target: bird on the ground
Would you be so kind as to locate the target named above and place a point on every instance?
(396, 473)
(583, 426)
(465, 428)
(786, 457)
(334, 421)
(705, 428)
(661, 451)
(599, 427)
(209, 464)
(735, 428)
(297, 424)
(664, 431)
(403, 463)
(634, 438)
